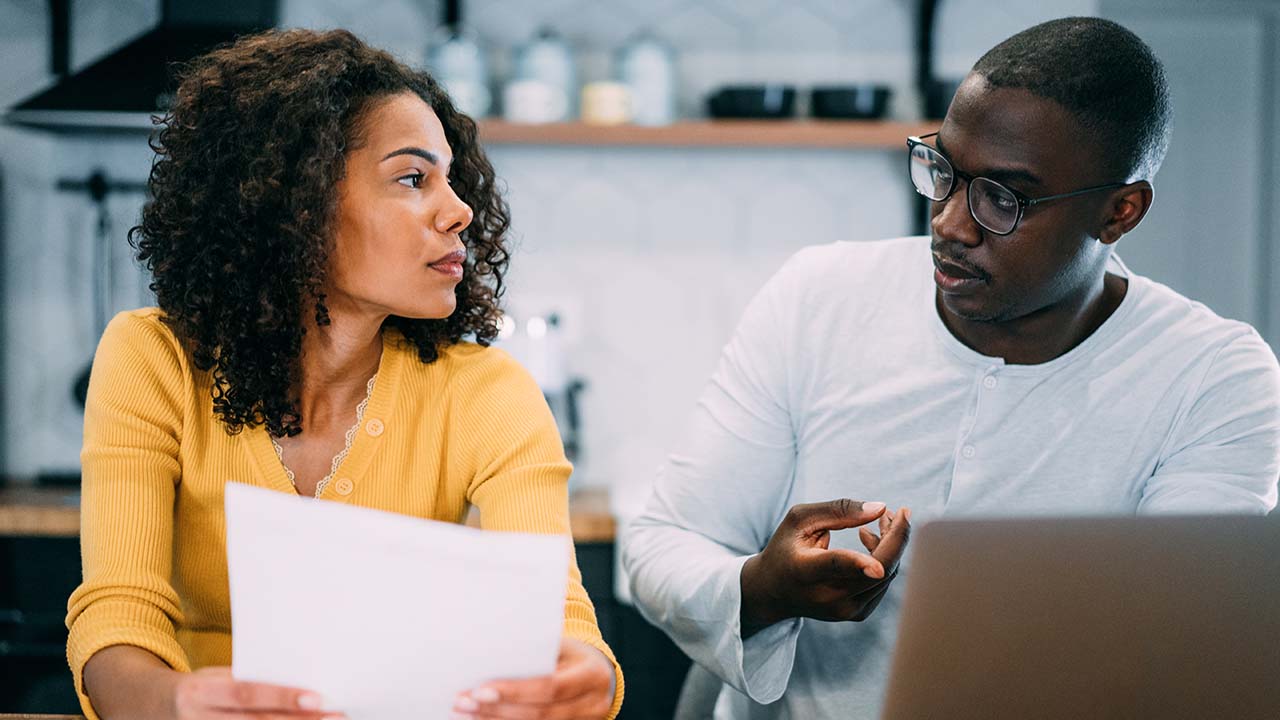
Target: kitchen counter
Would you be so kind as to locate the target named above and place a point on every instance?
(39, 512)
(55, 512)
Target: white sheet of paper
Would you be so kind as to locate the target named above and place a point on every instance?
(386, 616)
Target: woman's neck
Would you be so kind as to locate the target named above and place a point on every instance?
(337, 361)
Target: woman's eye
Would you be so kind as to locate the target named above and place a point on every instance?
(412, 181)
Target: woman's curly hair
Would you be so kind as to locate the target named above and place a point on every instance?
(237, 232)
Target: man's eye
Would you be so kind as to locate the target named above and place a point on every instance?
(1003, 201)
(413, 181)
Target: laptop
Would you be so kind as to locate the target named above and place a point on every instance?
(1136, 617)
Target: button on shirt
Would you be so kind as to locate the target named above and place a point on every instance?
(842, 381)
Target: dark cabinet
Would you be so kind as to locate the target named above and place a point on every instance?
(653, 666)
(37, 575)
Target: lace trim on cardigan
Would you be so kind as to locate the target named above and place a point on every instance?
(342, 454)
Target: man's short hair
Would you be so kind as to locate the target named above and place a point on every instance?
(1104, 75)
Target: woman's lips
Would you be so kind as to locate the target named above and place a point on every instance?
(450, 264)
(452, 269)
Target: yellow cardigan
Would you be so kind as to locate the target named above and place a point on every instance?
(471, 428)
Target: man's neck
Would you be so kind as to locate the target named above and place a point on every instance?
(1045, 334)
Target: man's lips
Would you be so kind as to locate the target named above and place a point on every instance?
(956, 270)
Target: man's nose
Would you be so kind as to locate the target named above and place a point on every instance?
(953, 220)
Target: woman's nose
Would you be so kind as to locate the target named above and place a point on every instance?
(454, 217)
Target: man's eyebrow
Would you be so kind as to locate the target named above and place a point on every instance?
(1005, 176)
(409, 150)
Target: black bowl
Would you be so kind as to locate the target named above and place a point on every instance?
(862, 102)
(753, 101)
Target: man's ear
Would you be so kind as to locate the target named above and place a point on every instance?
(1124, 210)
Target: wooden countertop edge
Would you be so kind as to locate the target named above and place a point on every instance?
(39, 512)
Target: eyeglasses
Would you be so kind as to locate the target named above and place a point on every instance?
(995, 207)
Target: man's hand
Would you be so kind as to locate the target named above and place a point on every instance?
(798, 575)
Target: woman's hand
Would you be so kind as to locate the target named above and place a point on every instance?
(211, 693)
(581, 688)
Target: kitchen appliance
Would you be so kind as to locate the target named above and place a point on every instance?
(536, 342)
(121, 91)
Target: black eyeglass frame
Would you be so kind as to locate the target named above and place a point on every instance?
(1024, 202)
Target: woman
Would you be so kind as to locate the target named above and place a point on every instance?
(324, 233)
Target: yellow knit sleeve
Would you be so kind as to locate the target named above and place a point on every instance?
(520, 474)
(129, 465)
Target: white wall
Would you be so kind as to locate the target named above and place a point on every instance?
(1212, 232)
(650, 253)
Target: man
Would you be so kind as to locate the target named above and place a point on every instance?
(1009, 365)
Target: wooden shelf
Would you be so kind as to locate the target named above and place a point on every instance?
(839, 134)
(848, 134)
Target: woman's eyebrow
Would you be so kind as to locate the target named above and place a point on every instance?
(409, 150)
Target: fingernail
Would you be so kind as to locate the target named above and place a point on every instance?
(466, 704)
(872, 507)
(310, 701)
(486, 695)
(876, 572)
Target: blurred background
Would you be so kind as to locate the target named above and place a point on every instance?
(642, 226)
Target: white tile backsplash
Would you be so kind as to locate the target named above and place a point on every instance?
(661, 249)
(696, 27)
(793, 27)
